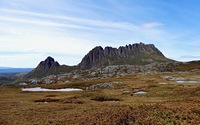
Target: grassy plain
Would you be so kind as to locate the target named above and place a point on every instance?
(165, 103)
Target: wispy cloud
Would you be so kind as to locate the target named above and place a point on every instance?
(42, 23)
(72, 28)
(151, 25)
(72, 35)
(64, 21)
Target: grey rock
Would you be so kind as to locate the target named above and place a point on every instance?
(23, 84)
(77, 76)
(49, 81)
(34, 81)
(93, 74)
(61, 78)
(101, 85)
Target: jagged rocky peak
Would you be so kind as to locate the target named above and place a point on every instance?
(48, 63)
(139, 48)
(49, 67)
(131, 54)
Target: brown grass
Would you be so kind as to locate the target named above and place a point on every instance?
(169, 103)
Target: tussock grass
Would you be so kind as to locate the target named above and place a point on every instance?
(170, 103)
(101, 98)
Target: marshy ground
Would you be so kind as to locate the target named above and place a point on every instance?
(164, 101)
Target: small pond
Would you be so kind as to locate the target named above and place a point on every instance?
(110, 101)
(140, 93)
(38, 89)
(186, 81)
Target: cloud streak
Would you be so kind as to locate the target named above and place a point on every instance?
(42, 23)
(151, 25)
(64, 21)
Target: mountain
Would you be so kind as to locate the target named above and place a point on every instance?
(135, 54)
(48, 67)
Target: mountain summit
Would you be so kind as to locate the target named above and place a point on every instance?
(135, 54)
(48, 67)
(49, 63)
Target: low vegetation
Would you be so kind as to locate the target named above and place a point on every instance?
(164, 103)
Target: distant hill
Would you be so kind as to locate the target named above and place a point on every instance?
(184, 66)
(8, 71)
(5, 67)
(16, 70)
(135, 54)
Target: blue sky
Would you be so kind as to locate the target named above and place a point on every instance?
(31, 30)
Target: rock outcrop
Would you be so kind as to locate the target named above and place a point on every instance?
(135, 54)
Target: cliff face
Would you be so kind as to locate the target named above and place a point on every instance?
(135, 54)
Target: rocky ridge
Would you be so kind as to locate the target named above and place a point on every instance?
(135, 54)
(109, 62)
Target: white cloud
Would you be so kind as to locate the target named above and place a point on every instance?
(151, 25)
(42, 23)
(59, 34)
(67, 20)
(70, 36)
